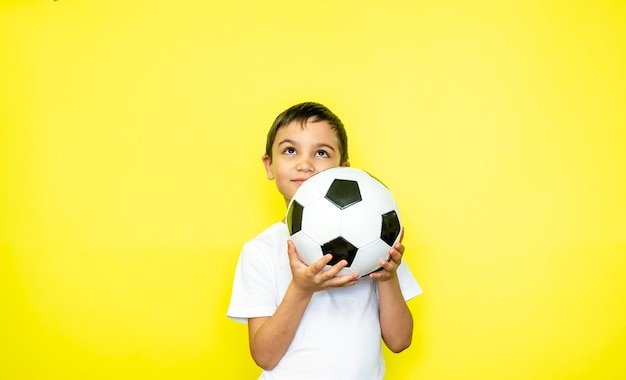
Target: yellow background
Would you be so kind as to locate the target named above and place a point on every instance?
(130, 176)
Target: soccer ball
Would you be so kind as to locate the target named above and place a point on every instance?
(348, 213)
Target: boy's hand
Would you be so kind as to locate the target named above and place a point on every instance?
(314, 278)
(389, 267)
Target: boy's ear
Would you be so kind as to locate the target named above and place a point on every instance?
(347, 164)
(267, 163)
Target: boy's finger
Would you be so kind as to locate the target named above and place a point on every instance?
(291, 250)
(294, 258)
(341, 281)
(319, 265)
(332, 272)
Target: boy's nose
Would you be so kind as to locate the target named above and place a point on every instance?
(305, 164)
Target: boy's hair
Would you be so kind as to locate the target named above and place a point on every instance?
(313, 112)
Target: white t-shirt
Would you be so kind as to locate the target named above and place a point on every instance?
(339, 335)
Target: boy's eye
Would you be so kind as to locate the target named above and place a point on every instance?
(321, 153)
(289, 151)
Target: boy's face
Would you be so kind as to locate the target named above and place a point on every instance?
(299, 152)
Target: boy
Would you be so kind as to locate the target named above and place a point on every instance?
(303, 321)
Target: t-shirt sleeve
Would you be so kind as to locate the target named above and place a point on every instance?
(252, 294)
(408, 284)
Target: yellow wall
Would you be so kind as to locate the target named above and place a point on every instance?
(130, 175)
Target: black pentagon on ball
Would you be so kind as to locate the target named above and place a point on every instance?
(341, 249)
(343, 193)
(390, 228)
(294, 217)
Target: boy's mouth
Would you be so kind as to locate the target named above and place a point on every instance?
(299, 180)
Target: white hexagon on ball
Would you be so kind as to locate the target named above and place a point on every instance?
(360, 225)
(325, 212)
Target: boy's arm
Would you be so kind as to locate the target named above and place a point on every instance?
(396, 321)
(271, 336)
